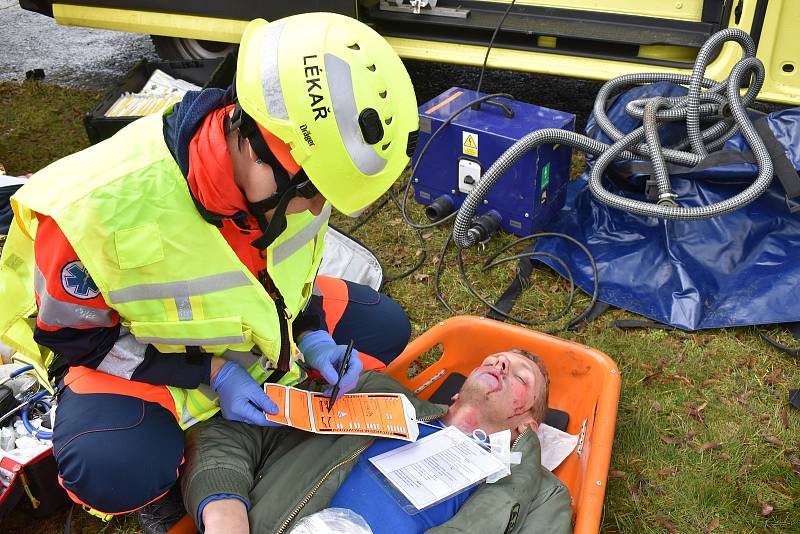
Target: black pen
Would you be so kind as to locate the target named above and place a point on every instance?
(342, 371)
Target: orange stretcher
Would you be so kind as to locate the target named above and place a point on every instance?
(584, 383)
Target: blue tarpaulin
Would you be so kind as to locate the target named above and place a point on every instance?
(738, 269)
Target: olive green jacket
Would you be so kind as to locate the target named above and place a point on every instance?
(287, 474)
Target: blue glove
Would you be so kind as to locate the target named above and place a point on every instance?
(322, 353)
(240, 397)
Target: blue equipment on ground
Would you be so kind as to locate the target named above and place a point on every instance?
(733, 270)
(530, 192)
(678, 211)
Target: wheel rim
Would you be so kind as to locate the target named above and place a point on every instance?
(199, 49)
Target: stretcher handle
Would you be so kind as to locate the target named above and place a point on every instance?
(399, 367)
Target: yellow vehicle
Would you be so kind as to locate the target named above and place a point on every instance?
(595, 39)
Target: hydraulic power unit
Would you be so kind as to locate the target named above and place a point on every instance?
(530, 192)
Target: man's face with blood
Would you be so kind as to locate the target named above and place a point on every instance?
(503, 389)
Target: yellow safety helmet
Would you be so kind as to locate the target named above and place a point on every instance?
(331, 93)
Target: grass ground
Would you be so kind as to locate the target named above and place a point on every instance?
(705, 439)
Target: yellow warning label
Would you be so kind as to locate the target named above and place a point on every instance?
(470, 144)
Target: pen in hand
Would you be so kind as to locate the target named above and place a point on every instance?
(342, 371)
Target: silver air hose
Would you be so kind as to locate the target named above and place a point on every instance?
(720, 100)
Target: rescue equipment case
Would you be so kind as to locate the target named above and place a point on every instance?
(216, 72)
(34, 485)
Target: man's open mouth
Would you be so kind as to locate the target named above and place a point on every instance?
(492, 376)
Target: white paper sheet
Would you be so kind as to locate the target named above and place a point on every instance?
(436, 467)
(556, 445)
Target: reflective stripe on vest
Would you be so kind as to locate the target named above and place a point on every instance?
(301, 238)
(182, 289)
(190, 404)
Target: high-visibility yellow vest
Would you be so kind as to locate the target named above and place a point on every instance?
(127, 211)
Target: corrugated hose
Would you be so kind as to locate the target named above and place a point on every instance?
(720, 100)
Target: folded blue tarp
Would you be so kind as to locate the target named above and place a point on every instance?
(738, 269)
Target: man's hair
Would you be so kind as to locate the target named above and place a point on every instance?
(539, 408)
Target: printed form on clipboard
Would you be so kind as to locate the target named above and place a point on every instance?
(386, 415)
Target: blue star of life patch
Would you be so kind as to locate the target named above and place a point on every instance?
(76, 281)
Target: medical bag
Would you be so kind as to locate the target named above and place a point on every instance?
(33, 485)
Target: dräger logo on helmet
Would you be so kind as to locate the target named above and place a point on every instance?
(306, 134)
(314, 87)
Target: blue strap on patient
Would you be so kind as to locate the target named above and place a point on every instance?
(364, 495)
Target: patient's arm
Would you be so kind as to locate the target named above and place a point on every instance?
(551, 513)
(221, 458)
(227, 516)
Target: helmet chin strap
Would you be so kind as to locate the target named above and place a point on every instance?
(286, 185)
(275, 225)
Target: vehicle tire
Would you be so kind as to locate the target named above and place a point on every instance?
(178, 48)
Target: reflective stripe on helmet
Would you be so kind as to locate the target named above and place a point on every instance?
(296, 242)
(270, 75)
(340, 84)
(54, 312)
(179, 288)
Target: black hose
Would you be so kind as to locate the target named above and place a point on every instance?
(595, 289)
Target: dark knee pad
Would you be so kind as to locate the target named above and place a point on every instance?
(115, 453)
(377, 323)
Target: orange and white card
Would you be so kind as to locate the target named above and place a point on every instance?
(386, 415)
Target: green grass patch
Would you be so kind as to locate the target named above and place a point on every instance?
(40, 123)
(705, 439)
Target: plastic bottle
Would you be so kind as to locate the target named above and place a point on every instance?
(7, 438)
(332, 521)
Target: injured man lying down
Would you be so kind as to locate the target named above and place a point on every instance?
(245, 478)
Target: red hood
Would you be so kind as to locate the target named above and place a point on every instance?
(210, 174)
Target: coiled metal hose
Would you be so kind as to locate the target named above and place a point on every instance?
(720, 100)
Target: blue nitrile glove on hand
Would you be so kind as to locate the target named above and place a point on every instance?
(322, 353)
(241, 398)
